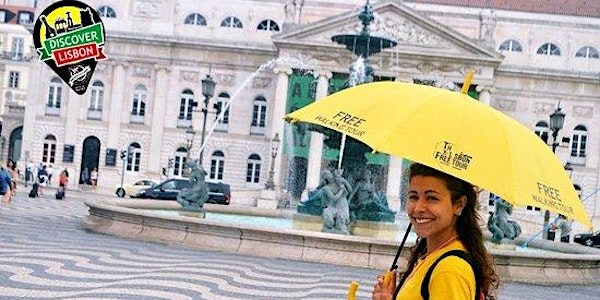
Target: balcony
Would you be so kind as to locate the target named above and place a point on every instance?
(136, 119)
(94, 114)
(52, 111)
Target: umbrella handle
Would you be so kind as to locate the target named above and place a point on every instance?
(352, 290)
(395, 263)
(467, 83)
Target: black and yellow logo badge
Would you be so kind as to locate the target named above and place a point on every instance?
(69, 36)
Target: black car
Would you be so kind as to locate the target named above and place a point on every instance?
(588, 239)
(218, 192)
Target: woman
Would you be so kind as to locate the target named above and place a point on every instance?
(94, 178)
(444, 213)
(11, 166)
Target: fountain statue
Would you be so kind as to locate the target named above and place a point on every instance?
(365, 204)
(194, 197)
(498, 222)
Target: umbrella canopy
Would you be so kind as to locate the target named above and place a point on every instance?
(455, 134)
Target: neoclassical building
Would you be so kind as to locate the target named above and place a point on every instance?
(269, 57)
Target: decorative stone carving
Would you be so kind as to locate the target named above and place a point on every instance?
(191, 76)
(225, 79)
(142, 72)
(542, 108)
(583, 112)
(147, 8)
(506, 105)
(261, 82)
(194, 197)
(498, 223)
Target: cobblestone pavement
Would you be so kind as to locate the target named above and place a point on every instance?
(46, 254)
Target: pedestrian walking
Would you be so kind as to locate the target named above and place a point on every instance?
(94, 178)
(564, 224)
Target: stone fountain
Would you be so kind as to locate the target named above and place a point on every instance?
(364, 202)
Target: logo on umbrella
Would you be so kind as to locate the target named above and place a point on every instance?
(444, 153)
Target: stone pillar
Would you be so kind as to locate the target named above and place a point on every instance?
(158, 118)
(485, 94)
(278, 125)
(73, 103)
(394, 180)
(315, 154)
(118, 103)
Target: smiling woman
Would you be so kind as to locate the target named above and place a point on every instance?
(449, 260)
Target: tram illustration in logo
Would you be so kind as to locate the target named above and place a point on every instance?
(69, 36)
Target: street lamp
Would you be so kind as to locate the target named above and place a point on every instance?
(208, 90)
(557, 121)
(270, 185)
(189, 138)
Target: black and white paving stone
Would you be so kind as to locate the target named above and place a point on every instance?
(45, 253)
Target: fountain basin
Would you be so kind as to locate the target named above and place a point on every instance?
(558, 264)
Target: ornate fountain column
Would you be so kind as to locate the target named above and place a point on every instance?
(277, 126)
(315, 154)
(158, 117)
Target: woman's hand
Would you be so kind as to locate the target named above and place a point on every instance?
(381, 291)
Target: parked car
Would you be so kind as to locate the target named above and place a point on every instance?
(588, 239)
(130, 189)
(218, 192)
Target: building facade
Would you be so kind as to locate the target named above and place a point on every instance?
(269, 57)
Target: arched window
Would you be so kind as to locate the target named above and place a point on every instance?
(186, 105)
(541, 129)
(579, 141)
(180, 160)
(195, 19)
(97, 96)
(511, 46)
(106, 12)
(253, 169)
(259, 111)
(268, 25)
(220, 104)
(133, 160)
(54, 92)
(138, 104)
(549, 49)
(232, 22)
(588, 52)
(49, 150)
(217, 165)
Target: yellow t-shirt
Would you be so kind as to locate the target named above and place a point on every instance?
(452, 279)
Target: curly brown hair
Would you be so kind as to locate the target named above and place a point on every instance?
(467, 227)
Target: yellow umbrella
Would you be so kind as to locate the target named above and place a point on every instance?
(455, 134)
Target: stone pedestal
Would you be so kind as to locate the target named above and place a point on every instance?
(268, 199)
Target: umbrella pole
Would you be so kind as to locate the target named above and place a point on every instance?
(342, 146)
(395, 263)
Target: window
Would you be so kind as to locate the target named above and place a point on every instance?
(180, 160)
(259, 112)
(138, 105)
(253, 170)
(134, 157)
(219, 104)
(549, 49)
(49, 150)
(217, 165)
(232, 22)
(186, 105)
(97, 96)
(579, 141)
(16, 48)
(195, 19)
(511, 45)
(268, 25)
(54, 93)
(106, 12)
(25, 17)
(13, 80)
(541, 129)
(588, 52)
(2, 16)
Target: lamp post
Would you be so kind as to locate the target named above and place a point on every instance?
(270, 185)
(189, 138)
(208, 90)
(557, 120)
